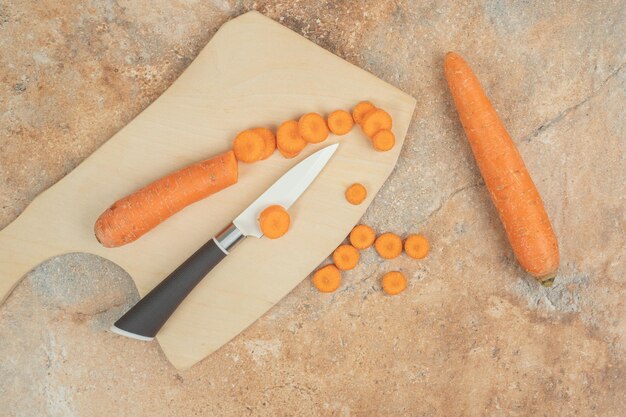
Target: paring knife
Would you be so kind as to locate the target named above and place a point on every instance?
(145, 319)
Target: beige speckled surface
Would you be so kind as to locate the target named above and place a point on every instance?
(472, 335)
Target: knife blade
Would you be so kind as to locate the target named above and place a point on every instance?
(144, 320)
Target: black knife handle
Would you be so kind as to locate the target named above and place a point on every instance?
(144, 320)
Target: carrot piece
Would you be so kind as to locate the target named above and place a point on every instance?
(274, 221)
(312, 128)
(383, 140)
(327, 278)
(388, 245)
(269, 139)
(416, 246)
(362, 236)
(288, 139)
(511, 188)
(340, 122)
(356, 193)
(376, 120)
(361, 110)
(394, 282)
(287, 155)
(132, 216)
(248, 146)
(346, 257)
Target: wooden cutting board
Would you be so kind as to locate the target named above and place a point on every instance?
(254, 72)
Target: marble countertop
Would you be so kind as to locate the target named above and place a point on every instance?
(472, 335)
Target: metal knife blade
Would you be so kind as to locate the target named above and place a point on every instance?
(285, 191)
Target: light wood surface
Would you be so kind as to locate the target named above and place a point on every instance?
(254, 72)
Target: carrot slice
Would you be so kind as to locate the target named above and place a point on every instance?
(383, 140)
(288, 139)
(274, 222)
(288, 155)
(362, 236)
(388, 245)
(356, 193)
(416, 246)
(312, 128)
(361, 110)
(512, 190)
(327, 278)
(340, 122)
(394, 282)
(269, 139)
(134, 215)
(376, 120)
(346, 257)
(248, 146)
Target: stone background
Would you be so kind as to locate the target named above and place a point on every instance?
(471, 336)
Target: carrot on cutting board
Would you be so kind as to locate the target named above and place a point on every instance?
(340, 122)
(375, 121)
(394, 282)
(269, 139)
(356, 193)
(327, 278)
(511, 188)
(288, 139)
(416, 246)
(388, 245)
(312, 128)
(383, 140)
(360, 110)
(248, 146)
(362, 236)
(346, 257)
(131, 217)
(274, 221)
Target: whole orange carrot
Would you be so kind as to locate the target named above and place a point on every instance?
(132, 216)
(512, 190)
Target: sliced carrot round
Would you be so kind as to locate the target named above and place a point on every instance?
(362, 236)
(416, 246)
(340, 122)
(327, 278)
(356, 193)
(383, 140)
(288, 139)
(269, 139)
(274, 222)
(388, 245)
(375, 121)
(361, 110)
(248, 146)
(312, 128)
(394, 282)
(346, 257)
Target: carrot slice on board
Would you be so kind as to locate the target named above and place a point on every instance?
(388, 245)
(340, 122)
(383, 140)
(346, 257)
(248, 146)
(288, 139)
(327, 278)
(269, 139)
(362, 236)
(416, 246)
(274, 222)
(394, 282)
(361, 110)
(356, 193)
(375, 121)
(312, 128)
